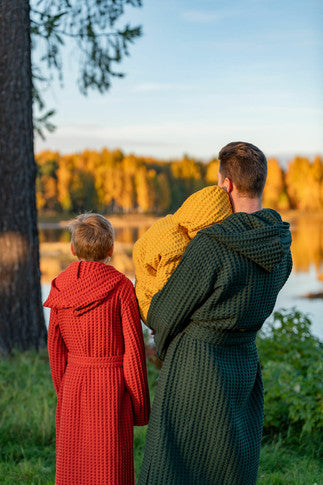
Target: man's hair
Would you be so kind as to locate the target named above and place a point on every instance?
(245, 165)
(92, 236)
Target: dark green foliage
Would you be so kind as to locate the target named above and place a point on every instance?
(49, 169)
(82, 192)
(292, 368)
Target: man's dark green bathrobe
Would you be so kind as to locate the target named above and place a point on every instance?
(207, 417)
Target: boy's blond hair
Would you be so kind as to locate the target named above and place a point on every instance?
(92, 236)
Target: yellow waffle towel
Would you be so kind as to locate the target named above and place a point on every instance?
(157, 253)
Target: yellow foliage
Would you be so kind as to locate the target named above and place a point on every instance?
(212, 172)
(110, 180)
(187, 168)
(130, 164)
(40, 201)
(144, 187)
(43, 157)
(64, 180)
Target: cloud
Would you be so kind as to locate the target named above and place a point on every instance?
(159, 139)
(153, 133)
(209, 16)
(153, 87)
(200, 16)
(172, 139)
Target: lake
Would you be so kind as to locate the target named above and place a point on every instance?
(306, 277)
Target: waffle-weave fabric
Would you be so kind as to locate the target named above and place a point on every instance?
(158, 252)
(207, 416)
(98, 366)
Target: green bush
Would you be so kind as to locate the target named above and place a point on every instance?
(292, 369)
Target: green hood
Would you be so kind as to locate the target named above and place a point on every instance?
(261, 236)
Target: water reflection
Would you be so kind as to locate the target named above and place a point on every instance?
(307, 245)
(307, 250)
(55, 233)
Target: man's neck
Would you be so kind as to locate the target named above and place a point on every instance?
(246, 204)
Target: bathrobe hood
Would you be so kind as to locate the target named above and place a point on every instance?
(261, 236)
(83, 286)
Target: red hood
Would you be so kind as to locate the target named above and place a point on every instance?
(82, 286)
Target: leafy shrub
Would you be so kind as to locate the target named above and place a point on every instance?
(292, 369)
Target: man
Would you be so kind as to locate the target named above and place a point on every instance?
(207, 417)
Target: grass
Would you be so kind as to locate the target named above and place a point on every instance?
(280, 465)
(27, 431)
(27, 420)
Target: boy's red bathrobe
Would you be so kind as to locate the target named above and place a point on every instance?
(98, 366)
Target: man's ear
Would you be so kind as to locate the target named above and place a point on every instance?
(73, 250)
(227, 185)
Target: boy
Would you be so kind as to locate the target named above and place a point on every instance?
(97, 360)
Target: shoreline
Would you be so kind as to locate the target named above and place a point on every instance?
(137, 219)
(117, 220)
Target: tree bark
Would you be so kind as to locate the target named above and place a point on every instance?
(21, 315)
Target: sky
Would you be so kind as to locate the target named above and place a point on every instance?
(203, 74)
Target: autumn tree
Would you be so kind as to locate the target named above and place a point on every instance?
(46, 181)
(64, 174)
(145, 188)
(163, 193)
(128, 196)
(187, 178)
(82, 191)
(212, 172)
(92, 24)
(108, 178)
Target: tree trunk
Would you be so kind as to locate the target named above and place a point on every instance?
(21, 316)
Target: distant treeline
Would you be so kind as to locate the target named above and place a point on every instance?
(109, 181)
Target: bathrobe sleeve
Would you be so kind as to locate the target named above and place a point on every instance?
(57, 350)
(134, 359)
(190, 284)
